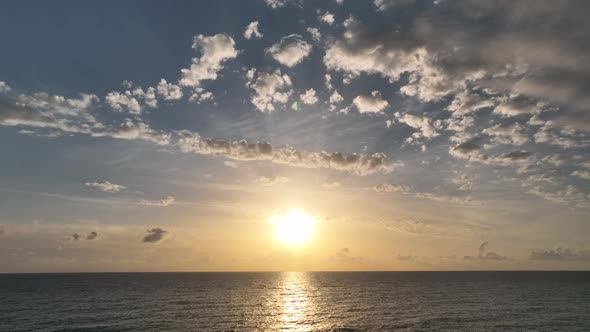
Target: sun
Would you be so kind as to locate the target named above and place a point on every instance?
(294, 227)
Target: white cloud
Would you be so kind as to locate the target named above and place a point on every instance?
(315, 34)
(335, 98)
(370, 103)
(327, 17)
(148, 96)
(508, 133)
(214, 51)
(106, 186)
(201, 97)
(4, 87)
(309, 97)
(358, 164)
(252, 31)
(270, 88)
(161, 202)
(128, 129)
(169, 91)
(123, 102)
(423, 124)
(290, 50)
(276, 3)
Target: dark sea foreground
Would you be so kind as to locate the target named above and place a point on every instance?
(322, 301)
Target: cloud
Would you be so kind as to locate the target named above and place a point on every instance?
(122, 102)
(465, 181)
(42, 110)
(252, 31)
(582, 174)
(128, 129)
(4, 87)
(560, 254)
(84, 236)
(155, 235)
(315, 34)
(518, 105)
(106, 186)
(271, 180)
(327, 17)
(567, 195)
(161, 202)
(370, 103)
(406, 190)
(383, 5)
(482, 255)
(454, 49)
(169, 91)
(507, 133)
(344, 255)
(309, 97)
(408, 257)
(423, 124)
(335, 98)
(276, 3)
(358, 164)
(270, 88)
(290, 50)
(148, 96)
(331, 185)
(214, 51)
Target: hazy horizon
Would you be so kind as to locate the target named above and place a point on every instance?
(294, 135)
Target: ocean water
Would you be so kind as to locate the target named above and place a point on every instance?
(297, 301)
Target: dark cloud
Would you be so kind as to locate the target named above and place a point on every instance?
(91, 235)
(482, 255)
(84, 236)
(155, 235)
(358, 164)
(560, 254)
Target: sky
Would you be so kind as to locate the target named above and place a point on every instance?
(417, 135)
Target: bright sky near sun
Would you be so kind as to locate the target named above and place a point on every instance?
(294, 135)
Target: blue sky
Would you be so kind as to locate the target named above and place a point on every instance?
(421, 134)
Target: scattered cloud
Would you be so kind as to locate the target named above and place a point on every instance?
(169, 91)
(271, 180)
(155, 235)
(309, 97)
(161, 202)
(4, 87)
(214, 52)
(370, 103)
(345, 255)
(560, 254)
(106, 186)
(270, 89)
(483, 255)
(252, 31)
(121, 102)
(315, 34)
(327, 17)
(84, 236)
(290, 50)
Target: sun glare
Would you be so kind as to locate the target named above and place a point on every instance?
(294, 227)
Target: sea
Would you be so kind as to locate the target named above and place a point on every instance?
(296, 301)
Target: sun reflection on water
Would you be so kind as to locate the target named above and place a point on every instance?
(295, 303)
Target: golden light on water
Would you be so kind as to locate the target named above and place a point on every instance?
(294, 227)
